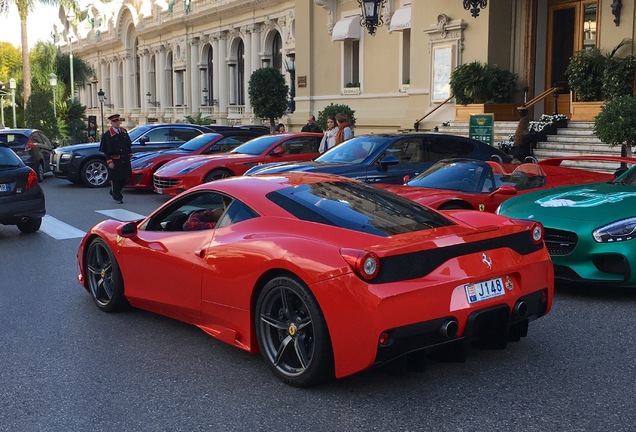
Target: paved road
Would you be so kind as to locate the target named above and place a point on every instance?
(65, 366)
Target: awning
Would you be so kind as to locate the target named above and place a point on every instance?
(346, 28)
(401, 19)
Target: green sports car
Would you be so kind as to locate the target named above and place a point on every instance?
(590, 229)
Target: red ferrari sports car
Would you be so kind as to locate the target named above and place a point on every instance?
(323, 275)
(144, 165)
(185, 172)
(461, 183)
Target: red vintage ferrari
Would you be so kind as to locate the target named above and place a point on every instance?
(325, 276)
(185, 172)
(461, 183)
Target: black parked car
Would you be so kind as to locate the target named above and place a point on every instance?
(84, 163)
(387, 158)
(32, 146)
(21, 197)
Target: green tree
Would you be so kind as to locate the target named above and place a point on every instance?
(332, 110)
(24, 8)
(71, 120)
(268, 94)
(198, 120)
(616, 123)
(39, 114)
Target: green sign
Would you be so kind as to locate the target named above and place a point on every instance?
(480, 127)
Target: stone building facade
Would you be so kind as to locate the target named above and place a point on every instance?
(159, 61)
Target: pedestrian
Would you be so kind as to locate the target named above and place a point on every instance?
(329, 138)
(344, 128)
(311, 125)
(280, 128)
(117, 147)
(523, 140)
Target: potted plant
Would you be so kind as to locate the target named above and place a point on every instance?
(483, 88)
(596, 77)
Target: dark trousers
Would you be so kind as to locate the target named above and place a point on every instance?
(116, 186)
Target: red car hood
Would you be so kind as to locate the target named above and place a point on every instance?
(175, 166)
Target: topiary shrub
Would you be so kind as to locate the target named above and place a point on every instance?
(478, 82)
(616, 123)
(332, 110)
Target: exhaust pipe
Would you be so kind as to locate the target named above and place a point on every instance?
(449, 329)
(520, 309)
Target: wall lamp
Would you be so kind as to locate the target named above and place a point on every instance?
(371, 18)
(150, 101)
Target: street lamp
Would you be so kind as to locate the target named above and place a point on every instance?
(290, 65)
(205, 96)
(71, 18)
(101, 96)
(12, 86)
(53, 82)
(371, 14)
(150, 101)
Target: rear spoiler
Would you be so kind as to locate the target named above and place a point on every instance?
(556, 161)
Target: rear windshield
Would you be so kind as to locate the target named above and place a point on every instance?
(8, 159)
(13, 140)
(358, 207)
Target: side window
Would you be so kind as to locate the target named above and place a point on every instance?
(158, 135)
(175, 217)
(406, 150)
(464, 148)
(236, 212)
(36, 138)
(440, 148)
(46, 142)
(302, 145)
(183, 134)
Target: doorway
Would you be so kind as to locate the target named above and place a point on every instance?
(572, 26)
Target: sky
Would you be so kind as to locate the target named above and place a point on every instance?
(39, 24)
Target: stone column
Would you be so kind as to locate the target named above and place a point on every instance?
(144, 60)
(223, 78)
(195, 81)
(129, 83)
(161, 75)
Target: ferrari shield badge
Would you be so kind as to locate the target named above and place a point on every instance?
(482, 207)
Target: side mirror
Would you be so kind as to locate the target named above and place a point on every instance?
(144, 140)
(55, 144)
(278, 151)
(504, 190)
(127, 230)
(406, 179)
(389, 160)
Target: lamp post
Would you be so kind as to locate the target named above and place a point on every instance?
(371, 14)
(290, 65)
(12, 86)
(53, 82)
(71, 18)
(101, 96)
(205, 96)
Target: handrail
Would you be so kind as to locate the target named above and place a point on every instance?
(538, 98)
(416, 125)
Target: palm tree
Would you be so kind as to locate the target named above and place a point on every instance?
(24, 8)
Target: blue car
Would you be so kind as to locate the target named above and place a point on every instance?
(387, 158)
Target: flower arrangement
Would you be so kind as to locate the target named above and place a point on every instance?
(546, 125)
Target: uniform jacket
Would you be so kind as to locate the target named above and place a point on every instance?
(118, 148)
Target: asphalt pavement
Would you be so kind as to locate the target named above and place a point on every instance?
(66, 366)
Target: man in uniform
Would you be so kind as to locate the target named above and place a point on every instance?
(117, 147)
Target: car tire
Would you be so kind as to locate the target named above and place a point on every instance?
(217, 174)
(292, 333)
(104, 279)
(40, 172)
(94, 173)
(30, 226)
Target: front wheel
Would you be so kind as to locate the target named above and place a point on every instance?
(104, 279)
(292, 333)
(217, 174)
(94, 173)
(40, 172)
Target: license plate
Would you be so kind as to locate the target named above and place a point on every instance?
(5, 187)
(485, 290)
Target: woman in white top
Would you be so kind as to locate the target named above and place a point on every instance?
(329, 138)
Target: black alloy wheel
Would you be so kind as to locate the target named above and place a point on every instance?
(104, 278)
(217, 174)
(292, 333)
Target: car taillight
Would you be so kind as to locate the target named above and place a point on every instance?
(364, 263)
(29, 145)
(32, 180)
